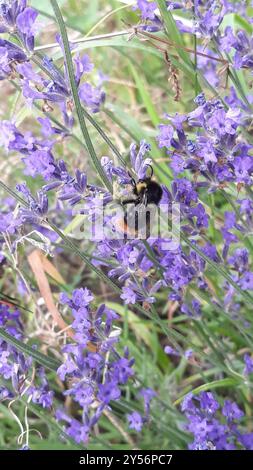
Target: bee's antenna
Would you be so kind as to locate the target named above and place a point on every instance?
(133, 183)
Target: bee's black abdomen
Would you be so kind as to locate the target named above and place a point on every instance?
(154, 193)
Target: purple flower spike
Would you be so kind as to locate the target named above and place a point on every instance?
(26, 20)
(135, 421)
(248, 364)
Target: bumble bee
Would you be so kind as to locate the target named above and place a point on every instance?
(145, 194)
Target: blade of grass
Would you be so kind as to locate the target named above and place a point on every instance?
(146, 98)
(243, 23)
(108, 15)
(6, 298)
(196, 85)
(228, 382)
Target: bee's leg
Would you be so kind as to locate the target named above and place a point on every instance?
(147, 215)
(131, 201)
(145, 199)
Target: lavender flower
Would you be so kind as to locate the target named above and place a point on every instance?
(37, 207)
(147, 9)
(9, 223)
(147, 394)
(211, 429)
(217, 155)
(248, 364)
(18, 18)
(92, 97)
(16, 367)
(96, 376)
(208, 17)
(57, 89)
(10, 55)
(135, 421)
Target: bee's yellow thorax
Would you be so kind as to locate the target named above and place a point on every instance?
(140, 187)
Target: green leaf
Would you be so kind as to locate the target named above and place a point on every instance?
(11, 300)
(146, 98)
(243, 23)
(228, 382)
(233, 19)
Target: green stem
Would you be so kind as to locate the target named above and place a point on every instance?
(104, 136)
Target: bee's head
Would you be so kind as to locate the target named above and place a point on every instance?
(141, 185)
